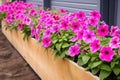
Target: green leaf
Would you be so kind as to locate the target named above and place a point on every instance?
(58, 46)
(54, 41)
(56, 56)
(118, 78)
(112, 64)
(93, 58)
(80, 62)
(65, 45)
(116, 70)
(25, 37)
(104, 41)
(95, 70)
(104, 74)
(65, 52)
(105, 67)
(63, 55)
(85, 59)
(95, 64)
(12, 26)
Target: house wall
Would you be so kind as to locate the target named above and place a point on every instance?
(118, 13)
(77, 5)
(36, 2)
(72, 5)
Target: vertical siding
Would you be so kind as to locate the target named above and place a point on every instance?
(118, 14)
(36, 2)
(77, 5)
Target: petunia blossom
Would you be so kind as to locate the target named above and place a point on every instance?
(81, 15)
(113, 30)
(26, 20)
(88, 36)
(47, 33)
(75, 26)
(95, 14)
(102, 30)
(38, 28)
(114, 42)
(73, 50)
(37, 36)
(106, 53)
(80, 34)
(32, 32)
(119, 52)
(93, 21)
(46, 42)
(74, 38)
(54, 28)
(94, 46)
(64, 25)
(32, 12)
(20, 26)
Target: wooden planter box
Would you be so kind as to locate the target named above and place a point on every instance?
(42, 61)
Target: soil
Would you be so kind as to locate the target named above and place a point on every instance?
(12, 65)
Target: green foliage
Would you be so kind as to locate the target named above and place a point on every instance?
(2, 16)
(61, 42)
(104, 74)
(26, 32)
(116, 70)
(96, 64)
(104, 41)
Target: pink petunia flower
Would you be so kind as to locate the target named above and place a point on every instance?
(93, 21)
(119, 52)
(114, 42)
(20, 26)
(117, 33)
(74, 38)
(26, 20)
(74, 50)
(46, 42)
(32, 12)
(37, 36)
(94, 46)
(102, 30)
(80, 34)
(88, 36)
(106, 54)
(64, 25)
(54, 28)
(32, 32)
(113, 30)
(63, 11)
(81, 15)
(38, 28)
(75, 26)
(47, 33)
(48, 22)
(95, 14)
(56, 17)
(84, 25)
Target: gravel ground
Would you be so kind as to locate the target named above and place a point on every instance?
(12, 65)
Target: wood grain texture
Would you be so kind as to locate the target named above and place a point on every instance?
(42, 61)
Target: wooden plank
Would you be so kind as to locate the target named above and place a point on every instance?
(42, 61)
